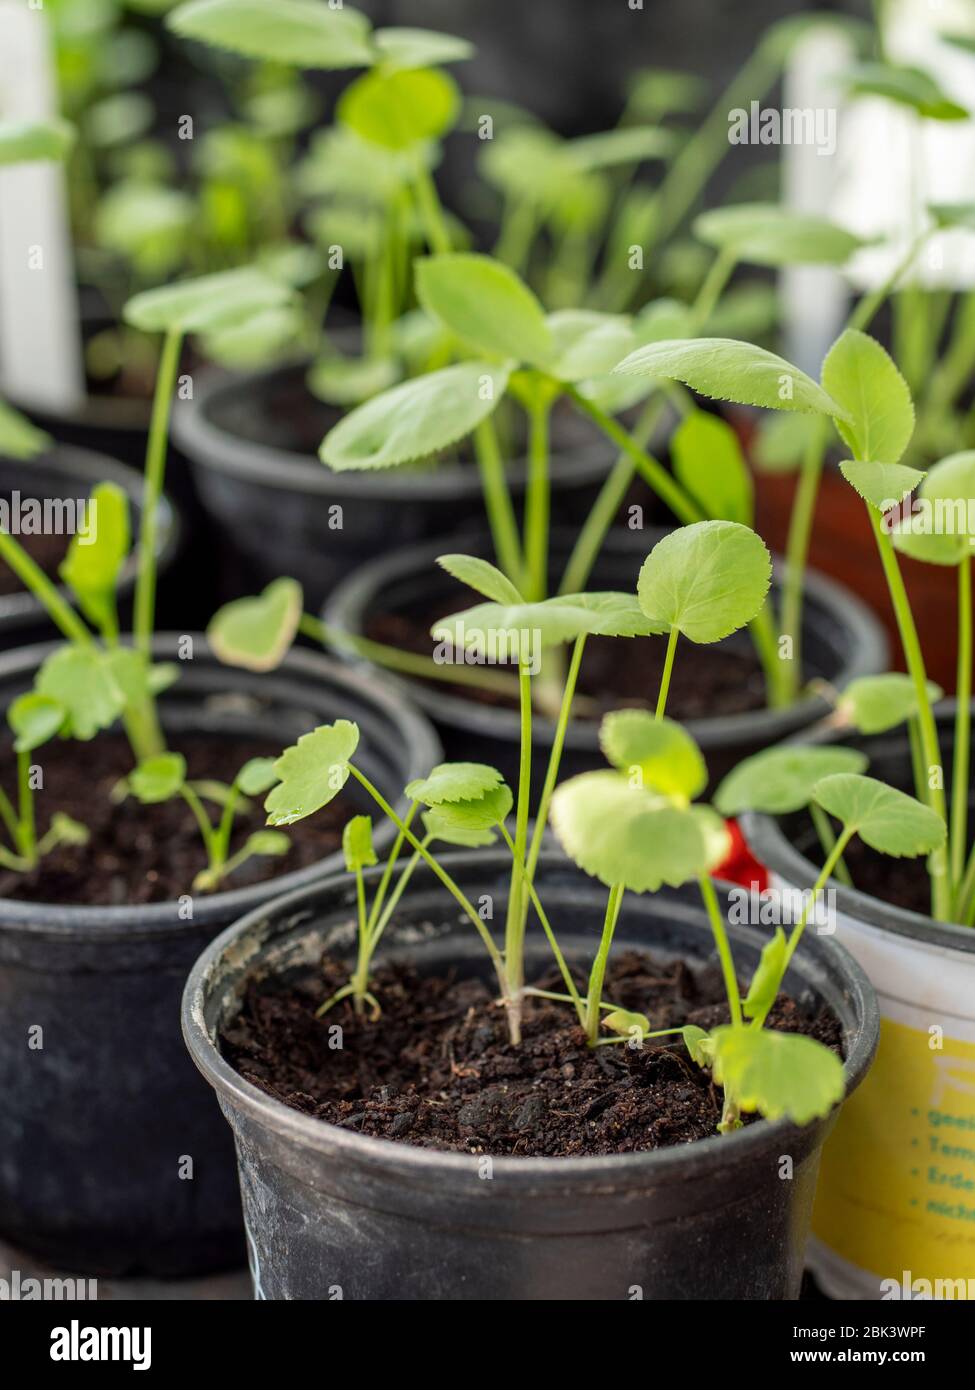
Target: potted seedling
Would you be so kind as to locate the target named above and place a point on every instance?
(912, 931)
(130, 838)
(525, 1099)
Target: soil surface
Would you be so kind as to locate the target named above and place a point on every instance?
(437, 1069)
(46, 550)
(146, 854)
(720, 679)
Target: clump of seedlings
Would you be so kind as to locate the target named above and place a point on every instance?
(95, 680)
(868, 401)
(634, 826)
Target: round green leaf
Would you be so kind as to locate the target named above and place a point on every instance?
(454, 782)
(300, 33)
(400, 108)
(271, 842)
(349, 380)
(624, 834)
(19, 439)
(874, 704)
(415, 419)
(439, 824)
(766, 234)
(941, 529)
(311, 772)
(459, 821)
(518, 631)
(707, 579)
(256, 776)
(657, 753)
(34, 719)
(159, 778)
(82, 679)
(728, 370)
(257, 633)
(485, 304)
(878, 413)
(886, 819)
(781, 1075)
(206, 304)
(778, 781)
(479, 574)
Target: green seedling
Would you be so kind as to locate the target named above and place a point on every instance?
(163, 777)
(34, 719)
(633, 826)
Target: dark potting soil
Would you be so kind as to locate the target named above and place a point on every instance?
(146, 854)
(617, 672)
(45, 550)
(437, 1069)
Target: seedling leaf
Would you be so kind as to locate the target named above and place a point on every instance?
(486, 305)
(357, 846)
(587, 344)
(420, 48)
(778, 781)
(873, 704)
(94, 561)
(159, 778)
(440, 825)
(513, 632)
(878, 413)
(658, 753)
(948, 491)
(454, 782)
(769, 235)
(625, 145)
(25, 142)
(767, 978)
(458, 821)
(401, 108)
(83, 681)
(257, 776)
(34, 719)
(707, 579)
(907, 86)
(729, 370)
(781, 1075)
(19, 438)
(312, 772)
(708, 459)
(479, 574)
(886, 819)
(415, 419)
(300, 33)
(881, 485)
(206, 304)
(256, 633)
(624, 834)
(269, 842)
(625, 1022)
(699, 1045)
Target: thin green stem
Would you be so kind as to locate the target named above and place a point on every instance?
(940, 871)
(828, 841)
(537, 501)
(456, 893)
(720, 934)
(664, 690)
(434, 222)
(28, 826)
(659, 480)
(155, 475)
(960, 789)
(9, 817)
(834, 858)
(521, 868)
(203, 821)
(555, 756)
(514, 932)
(497, 501)
(380, 895)
(36, 581)
(765, 638)
(598, 972)
(797, 550)
(719, 273)
(401, 885)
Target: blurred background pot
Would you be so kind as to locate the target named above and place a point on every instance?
(64, 472)
(100, 1124)
(326, 1207)
(899, 1171)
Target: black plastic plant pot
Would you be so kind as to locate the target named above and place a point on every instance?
(113, 1158)
(68, 474)
(896, 1172)
(253, 444)
(841, 641)
(329, 1210)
